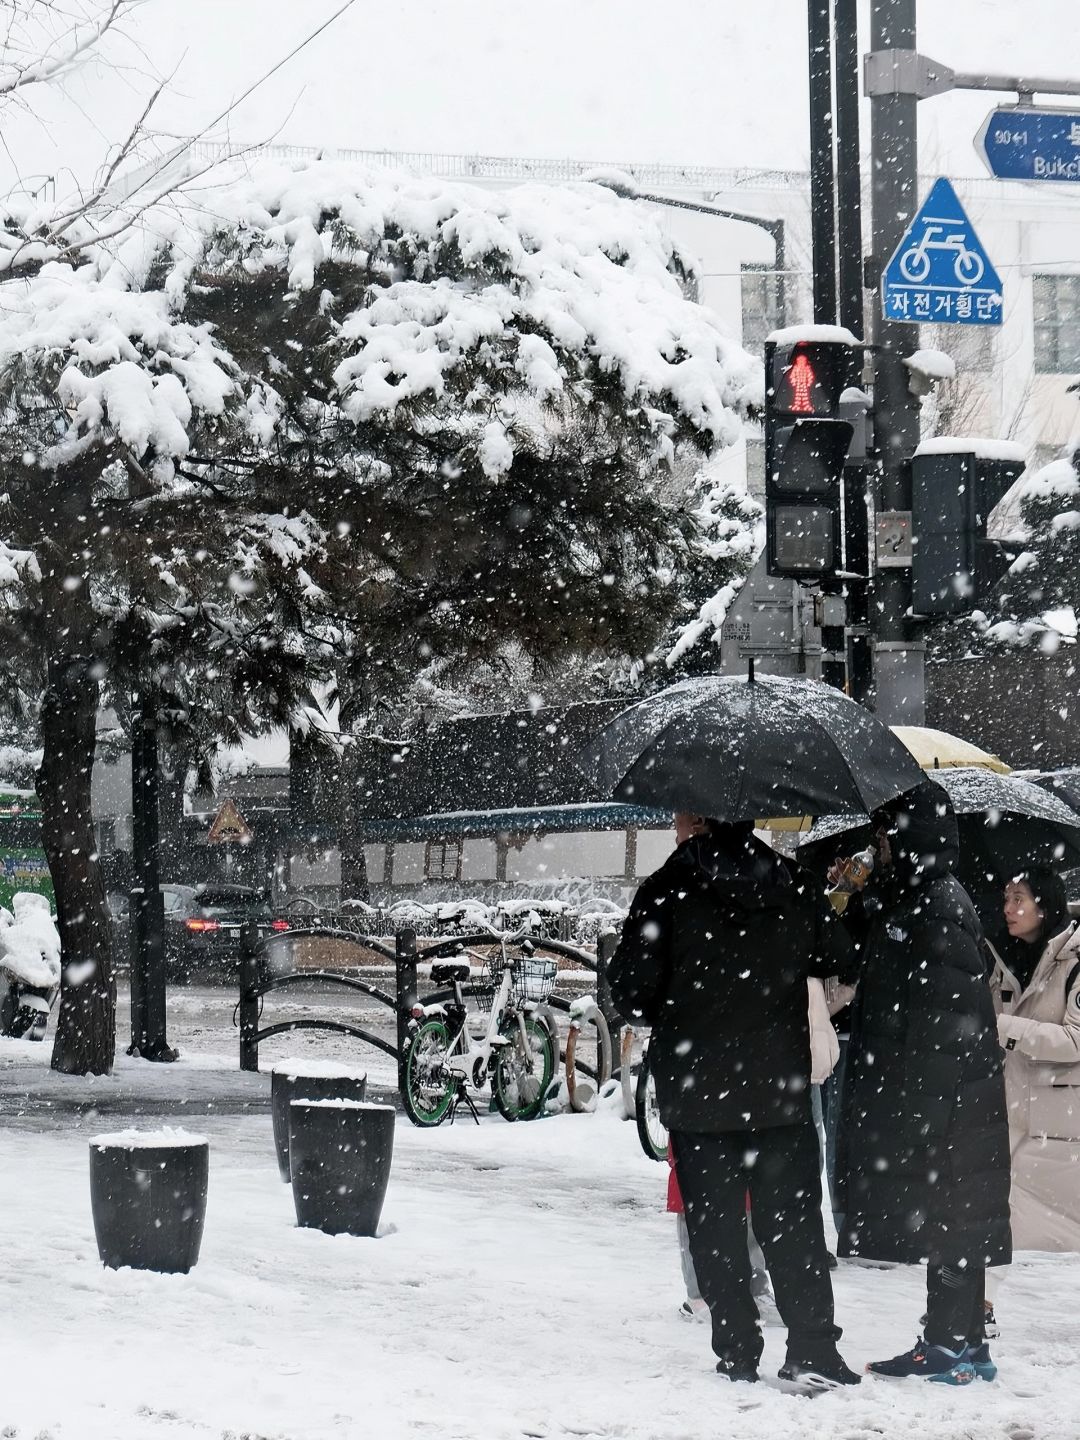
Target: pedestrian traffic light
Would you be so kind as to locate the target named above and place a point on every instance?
(806, 443)
(954, 486)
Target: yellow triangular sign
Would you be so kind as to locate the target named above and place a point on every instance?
(229, 827)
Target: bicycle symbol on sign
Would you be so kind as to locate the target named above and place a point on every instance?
(915, 262)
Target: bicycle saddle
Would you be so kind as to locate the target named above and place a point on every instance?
(445, 972)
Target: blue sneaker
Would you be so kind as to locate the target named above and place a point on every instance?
(927, 1362)
(979, 1356)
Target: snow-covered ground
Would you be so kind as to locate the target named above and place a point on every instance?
(525, 1283)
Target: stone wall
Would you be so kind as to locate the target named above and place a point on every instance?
(1023, 707)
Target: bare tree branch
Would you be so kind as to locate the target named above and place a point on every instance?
(77, 38)
(52, 237)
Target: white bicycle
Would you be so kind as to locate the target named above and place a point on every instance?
(508, 1041)
(915, 262)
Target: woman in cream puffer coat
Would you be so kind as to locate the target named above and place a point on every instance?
(1036, 987)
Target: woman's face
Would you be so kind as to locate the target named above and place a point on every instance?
(1023, 918)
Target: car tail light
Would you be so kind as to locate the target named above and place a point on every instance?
(279, 925)
(201, 926)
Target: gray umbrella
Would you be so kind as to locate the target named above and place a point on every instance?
(743, 749)
(1005, 824)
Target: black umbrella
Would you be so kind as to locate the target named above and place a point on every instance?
(1065, 784)
(741, 749)
(1004, 823)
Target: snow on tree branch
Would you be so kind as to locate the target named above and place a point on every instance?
(730, 536)
(44, 41)
(574, 287)
(1038, 602)
(249, 362)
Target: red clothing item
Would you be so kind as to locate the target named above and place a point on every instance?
(674, 1194)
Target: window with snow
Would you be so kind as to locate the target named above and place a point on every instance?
(1056, 300)
(442, 860)
(762, 304)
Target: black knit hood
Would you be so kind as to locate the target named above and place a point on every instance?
(923, 838)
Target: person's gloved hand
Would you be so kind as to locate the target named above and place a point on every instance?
(1009, 1030)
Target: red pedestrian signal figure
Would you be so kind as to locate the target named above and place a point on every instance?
(806, 446)
(801, 380)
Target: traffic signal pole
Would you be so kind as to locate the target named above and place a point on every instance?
(851, 312)
(899, 685)
(822, 169)
(849, 239)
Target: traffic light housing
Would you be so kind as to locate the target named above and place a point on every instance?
(953, 491)
(806, 444)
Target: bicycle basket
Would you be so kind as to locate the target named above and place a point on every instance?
(533, 978)
(482, 993)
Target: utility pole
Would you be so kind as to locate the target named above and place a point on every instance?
(900, 692)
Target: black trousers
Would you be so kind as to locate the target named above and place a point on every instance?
(780, 1168)
(955, 1305)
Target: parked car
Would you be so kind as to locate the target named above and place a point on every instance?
(202, 930)
(203, 926)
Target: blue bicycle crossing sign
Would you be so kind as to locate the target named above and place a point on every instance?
(940, 274)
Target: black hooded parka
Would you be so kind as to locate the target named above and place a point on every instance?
(923, 1169)
(715, 955)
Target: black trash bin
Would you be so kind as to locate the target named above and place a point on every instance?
(308, 1080)
(148, 1197)
(340, 1152)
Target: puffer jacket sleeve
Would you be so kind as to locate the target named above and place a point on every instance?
(1042, 1040)
(835, 953)
(638, 971)
(939, 1026)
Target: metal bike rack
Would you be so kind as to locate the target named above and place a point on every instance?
(253, 989)
(406, 958)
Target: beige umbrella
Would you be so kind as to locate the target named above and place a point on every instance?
(938, 750)
(932, 750)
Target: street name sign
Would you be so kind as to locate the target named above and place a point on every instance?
(940, 274)
(1026, 144)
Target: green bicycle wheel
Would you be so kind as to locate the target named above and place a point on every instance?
(428, 1087)
(524, 1068)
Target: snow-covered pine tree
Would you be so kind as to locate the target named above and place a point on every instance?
(729, 533)
(1038, 602)
(324, 421)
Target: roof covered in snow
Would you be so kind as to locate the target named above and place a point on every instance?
(484, 773)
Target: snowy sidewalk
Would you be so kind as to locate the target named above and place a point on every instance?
(194, 1086)
(525, 1284)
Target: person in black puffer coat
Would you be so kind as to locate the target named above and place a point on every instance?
(924, 1170)
(715, 955)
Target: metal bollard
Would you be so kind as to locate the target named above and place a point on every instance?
(249, 996)
(405, 993)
